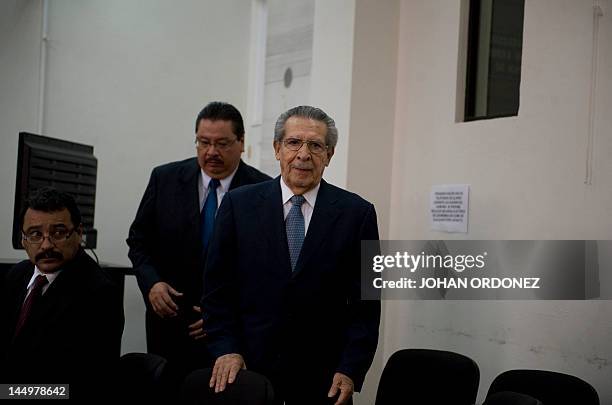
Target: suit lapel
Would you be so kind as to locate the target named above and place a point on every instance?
(272, 223)
(321, 224)
(51, 303)
(58, 297)
(239, 178)
(19, 296)
(188, 198)
(23, 284)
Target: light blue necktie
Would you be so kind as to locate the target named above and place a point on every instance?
(294, 224)
(207, 217)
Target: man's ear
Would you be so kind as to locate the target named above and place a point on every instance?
(276, 145)
(79, 232)
(330, 153)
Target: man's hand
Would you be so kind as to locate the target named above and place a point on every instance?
(343, 384)
(160, 297)
(196, 329)
(225, 370)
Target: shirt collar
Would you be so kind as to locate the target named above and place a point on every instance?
(50, 276)
(224, 183)
(310, 195)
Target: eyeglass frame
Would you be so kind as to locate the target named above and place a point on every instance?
(53, 241)
(224, 147)
(308, 143)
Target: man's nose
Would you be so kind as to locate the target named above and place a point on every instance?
(304, 153)
(46, 244)
(212, 150)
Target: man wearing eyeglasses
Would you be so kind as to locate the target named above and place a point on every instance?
(169, 237)
(61, 317)
(282, 279)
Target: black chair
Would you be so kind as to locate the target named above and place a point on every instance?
(422, 376)
(249, 388)
(147, 377)
(511, 398)
(547, 386)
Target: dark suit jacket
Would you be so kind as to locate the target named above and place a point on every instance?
(73, 334)
(307, 322)
(164, 239)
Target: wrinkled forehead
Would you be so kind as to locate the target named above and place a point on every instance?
(35, 219)
(305, 128)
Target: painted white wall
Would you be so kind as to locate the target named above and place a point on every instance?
(533, 164)
(253, 117)
(20, 30)
(331, 76)
(526, 175)
(372, 115)
(130, 78)
(373, 104)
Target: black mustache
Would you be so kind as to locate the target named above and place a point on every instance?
(214, 160)
(50, 254)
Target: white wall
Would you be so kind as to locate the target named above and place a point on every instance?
(526, 175)
(331, 77)
(20, 30)
(532, 164)
(372, 112)
(373, 104)
(130, 78)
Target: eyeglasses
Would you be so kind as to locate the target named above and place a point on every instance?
(222, 145)
(295, 144)
(56, 235)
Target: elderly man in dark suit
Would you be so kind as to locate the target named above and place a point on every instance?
(169, 237)
(61, 317)
(282, 282)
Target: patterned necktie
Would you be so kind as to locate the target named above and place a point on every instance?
(294, 224)
(39, 282)
(207, 217)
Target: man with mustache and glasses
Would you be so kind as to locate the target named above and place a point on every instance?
(169, 237)
(282, 292)
(61, 317)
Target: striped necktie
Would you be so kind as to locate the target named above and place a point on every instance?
(30, 301)
(294, 225)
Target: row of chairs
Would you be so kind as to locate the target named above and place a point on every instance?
(424, 376)
(410, 376)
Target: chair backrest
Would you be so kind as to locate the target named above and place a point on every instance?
(423, 376)
(249, 388)
(548, 386)
(146, 377)
(511, 398)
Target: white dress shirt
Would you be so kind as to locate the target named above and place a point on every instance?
(307, 207)
(50, 278)
(221, 190)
